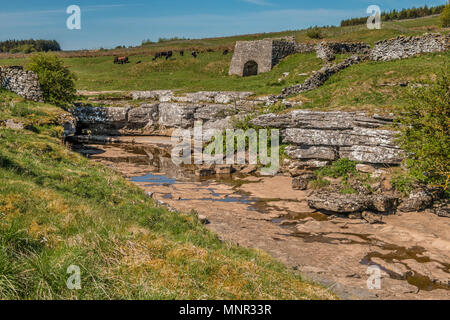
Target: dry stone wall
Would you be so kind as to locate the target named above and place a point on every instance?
(320, 77)
(327, 50)
(398, 48)
(404, 47)
(24, 83)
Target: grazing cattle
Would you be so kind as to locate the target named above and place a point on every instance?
(157, 55)
(166, 54)
(195, 54)
(182, 53)
(225, 52)
(121, 60)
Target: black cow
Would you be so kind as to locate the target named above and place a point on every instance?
(195, 54)
(182, 53)
(157, 55)
(166, 54)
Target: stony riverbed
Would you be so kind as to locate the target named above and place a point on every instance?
(412, 250)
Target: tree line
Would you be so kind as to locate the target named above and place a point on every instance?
(29, 46)
(398, 15)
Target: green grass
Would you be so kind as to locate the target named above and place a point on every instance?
(362, 86)
(58, 209)
(208, 72)
(353, 88)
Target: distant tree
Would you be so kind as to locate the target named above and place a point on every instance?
(314, 33)
(29, 45)
(397, 15)
(148, 41)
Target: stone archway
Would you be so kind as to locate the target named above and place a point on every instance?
(250, 69)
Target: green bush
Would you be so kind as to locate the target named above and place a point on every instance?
(425, 134)
(445, 16)
(57, 81)
(314, 33)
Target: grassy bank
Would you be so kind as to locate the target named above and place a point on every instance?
(58, 209)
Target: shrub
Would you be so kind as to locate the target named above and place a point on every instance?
(445, 16)
(425, 134)
(57, 81)
(314, 33)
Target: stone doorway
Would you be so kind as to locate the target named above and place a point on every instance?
(250, 69)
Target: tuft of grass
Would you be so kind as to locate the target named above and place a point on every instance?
(319, 183)
(342, 168)
(403, 183)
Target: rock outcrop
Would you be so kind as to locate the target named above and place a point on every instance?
(418, 200)
(328, 136)
(24, 83)
(340, 203)
(218, 97)
(154, 118)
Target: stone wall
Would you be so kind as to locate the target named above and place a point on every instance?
(404, 47)
(304, 47)
(327, 50)
(319, 77)
(281, 48)
(398, 48)
(24, 83)
(318, 138)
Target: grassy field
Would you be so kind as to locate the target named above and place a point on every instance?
(365, 86)
(58, 209)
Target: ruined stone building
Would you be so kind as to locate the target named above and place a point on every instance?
(255, 57)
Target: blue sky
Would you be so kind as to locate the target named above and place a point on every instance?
(108, 23)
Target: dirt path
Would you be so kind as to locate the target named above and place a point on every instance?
(412, 251)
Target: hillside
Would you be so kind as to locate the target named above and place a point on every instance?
(59, 209)
(371, 85)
